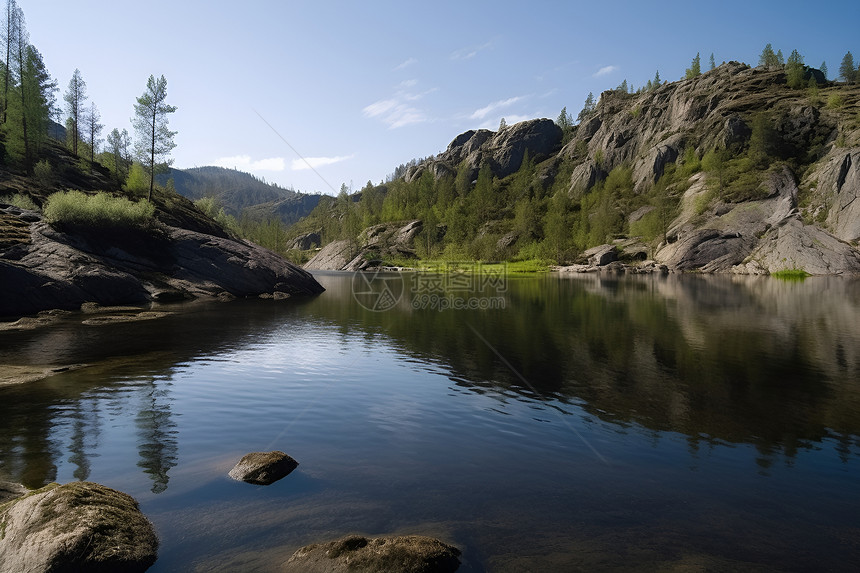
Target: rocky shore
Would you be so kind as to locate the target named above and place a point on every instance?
(43, 268)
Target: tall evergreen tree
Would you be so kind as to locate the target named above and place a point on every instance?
(768, 58)
(564, 120)
(712, 64)
(657, 81)
(695, 68)
(154, 139)
(75, 96)
(847, 71)
(93, 128)
(118, 144)
(823, 69)
(780, 59)
(587, 108)
(10, 32)
(794, 70)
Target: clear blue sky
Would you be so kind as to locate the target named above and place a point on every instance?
(359, 87)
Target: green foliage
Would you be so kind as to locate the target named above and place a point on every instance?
(712, 64)
(695, 69)
(742, 180)
(690, 163)
(28, 108)
(211, 208)
(565, 122)
(763, 140)
(791, 275)
(847, 71)
(823, 68)
(154, 139)
(598, 158)
(137, 182)
(20, 201)
(835, 101)
(100, 210)
(269, 233)
(587, 109)
(794, 70)
(813, 93)
(43, 172)
(768, 58)
(714, 163)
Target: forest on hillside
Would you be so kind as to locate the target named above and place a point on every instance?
(539, 213)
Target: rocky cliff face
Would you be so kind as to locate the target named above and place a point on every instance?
(803, 213)
(44, 268)
(502, 150)
(388, 240)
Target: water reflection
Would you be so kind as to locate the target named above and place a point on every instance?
(65, 418)
(720, 359)
(158, 446)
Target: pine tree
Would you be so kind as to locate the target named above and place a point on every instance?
(794, 70)
(768, 58)
(695, 69)
(712, 63)
(502, 124)
(823, 69)
(93, 128)
(75, 96)
(846, 70)
(154, 138)
(587, 108)
(657, 81)
(780, 59)
(30, 96)
(10, 33)
(564, 120)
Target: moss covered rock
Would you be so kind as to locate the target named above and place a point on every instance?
(80, 526)
(358, 554)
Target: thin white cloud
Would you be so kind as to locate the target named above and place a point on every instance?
(497, 105)
(469, 53)
(605, 70)
(406, 64)
(245, 163)
(399, 110)
(314, 162)
(493, 124)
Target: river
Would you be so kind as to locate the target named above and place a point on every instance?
(551, 423)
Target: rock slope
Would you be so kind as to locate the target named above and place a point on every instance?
(803, 213)
(45, 268)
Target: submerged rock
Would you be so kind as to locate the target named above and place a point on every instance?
(358, 554)
(263, 468)
(80, 526)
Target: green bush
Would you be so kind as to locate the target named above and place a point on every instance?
(99, 210)
(835, 101)
(791, 275)
(43, 172)
(20, 201)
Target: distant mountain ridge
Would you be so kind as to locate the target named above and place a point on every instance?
(237, 191)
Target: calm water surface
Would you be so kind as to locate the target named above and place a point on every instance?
(593, 423)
